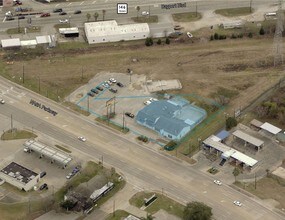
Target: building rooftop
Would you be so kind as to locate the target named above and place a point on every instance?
(19, 172)
(14, 42)
(270, 128)
(246, 137)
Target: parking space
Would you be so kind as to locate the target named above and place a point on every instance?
(129, 98)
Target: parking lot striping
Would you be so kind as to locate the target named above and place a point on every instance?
(82, 3)
(57, 5)
(94, 2)
(4, 19)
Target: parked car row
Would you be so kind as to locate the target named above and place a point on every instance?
(61, 12)
(73, 173)
(151, 100)
(107, 85)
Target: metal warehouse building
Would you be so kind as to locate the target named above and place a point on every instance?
(172, 119)
(110, 31)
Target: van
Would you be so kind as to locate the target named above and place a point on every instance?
(27, 150)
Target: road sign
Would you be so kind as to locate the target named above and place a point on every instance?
(122, 8)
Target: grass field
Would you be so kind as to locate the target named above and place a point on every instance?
(162, 202)
(232, 12)
(63, 148)
(146, 19)
(12, 31)
(186, 17)
(17, 134)
(117, 215)
(271, 187)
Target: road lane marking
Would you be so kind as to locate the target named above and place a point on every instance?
(94, 2)
(70, 3)
(57, 5)
(106, 0)
(82, 3)
(4, 19)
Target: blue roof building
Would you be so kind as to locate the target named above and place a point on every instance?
(172, 119)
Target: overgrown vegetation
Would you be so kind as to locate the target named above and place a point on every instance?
(213, 170)
(186, 17)
(198, 211)
(232, 12)
(146, 19)
(63, 148)
(143, 138)
(106, 121)
(230, 123)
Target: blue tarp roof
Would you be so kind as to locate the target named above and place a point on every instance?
(223, 134)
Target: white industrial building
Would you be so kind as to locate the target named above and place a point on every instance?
(110, 31)
(11, 43)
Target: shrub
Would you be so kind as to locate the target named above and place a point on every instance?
(233, 36)
(240, 36)
(143, 138)
(231, 122)
(167, 41)
(158, 41)
(216, 36)
(148, 41)
(212, 37)
(250, 35)
(261, 31)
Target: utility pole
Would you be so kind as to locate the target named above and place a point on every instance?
(18, 25)
(11, 122)
(102, 160)
(254, 180)
(250, 6)
(123, 120)
(196, 9)
(114, 208)
(39, 84)
(88, 103)
(23, 74)
(81, 73)
(278, 48)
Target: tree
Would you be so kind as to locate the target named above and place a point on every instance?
(197, 211)
(250, 35)
(104, 13)
(230, 123)
(159, 41)
(212, 37)
(96, 15)
(216, 36)
(88, 16)
(138, 8)
(261, 31)
(167, 41)
(148, 41)
(236, 172)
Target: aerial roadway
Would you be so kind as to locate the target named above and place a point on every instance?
(154, 7)
(142, 166)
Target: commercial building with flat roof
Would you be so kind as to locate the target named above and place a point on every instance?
(110, 31)
(19, 176)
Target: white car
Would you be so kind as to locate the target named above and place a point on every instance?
(82, 139)
(238, 203)
(153, 99)
(113, 80)
(145, 13)
(218, 182)
(69, 175)
(2, 101)
(63, 21)
(147, 102)
(189, 35)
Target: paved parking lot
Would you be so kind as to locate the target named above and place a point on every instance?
(129, 98)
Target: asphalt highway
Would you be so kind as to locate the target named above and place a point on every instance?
(142, 166)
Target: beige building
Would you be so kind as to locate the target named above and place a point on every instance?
(110, 31)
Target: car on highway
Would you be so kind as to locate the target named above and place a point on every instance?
(45, 15)
(100, 88)
(57, 10)
(113, 90)
(83, 139)
(120, 84)
(237, 203)
(77, 12)
(131, 115)
(44, 186)
(94, 91)
(62, 13)
(218, 182)
(145, 13)
(189, 35)
(90, 94)
(2, 101)
(63, 21)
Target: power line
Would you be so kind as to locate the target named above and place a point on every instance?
(278, 47)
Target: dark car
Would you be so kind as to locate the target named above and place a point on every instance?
(94, 91)
(99, 88)
(120, 84)
(42, 174)
(62, 13)
(45, 14)
(44, 186)
(21, 17)
(131, 115)
(77, 12)
(91, 94)
(57, 10)
(113, 90)
(10, 18)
